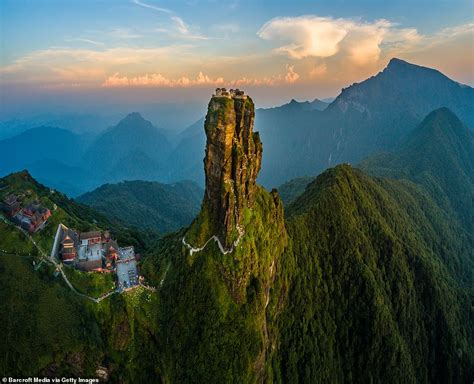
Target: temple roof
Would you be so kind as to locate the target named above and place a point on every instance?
(89, 235)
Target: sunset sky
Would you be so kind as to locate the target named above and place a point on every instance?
(302, 49)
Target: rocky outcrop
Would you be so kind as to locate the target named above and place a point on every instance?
(232, 162)
(219, 288)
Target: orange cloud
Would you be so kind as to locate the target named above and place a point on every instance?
(158, 80)
(306, 35)
(318, 70)
(291, 76)
(314, 36)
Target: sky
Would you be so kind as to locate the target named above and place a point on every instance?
(79, 54)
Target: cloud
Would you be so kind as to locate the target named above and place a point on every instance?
(457, 30)
(318, 70)
(89, 41)
(306, 35)
(179, 25)
(314, 36)
(291, 76)
(362, 43)
(158, 80)
(363, 51)
(184, 31)
(448, 35)
(86, 65)
(154, 7)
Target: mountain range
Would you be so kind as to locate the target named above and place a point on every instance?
(367, 279)
(438, 155)
(302, 138)
(76, 163)
(364, 277)
(132, 149)
(146, 204)
(440, 133)
(373, 116)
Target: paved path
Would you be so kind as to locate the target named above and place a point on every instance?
(59, 267)
(216, 239)
(164, 274)
(50, 259)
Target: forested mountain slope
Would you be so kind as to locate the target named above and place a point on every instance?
(438, 155)
(48, 330)
(147, 204)
(375, 286)
(367, 279)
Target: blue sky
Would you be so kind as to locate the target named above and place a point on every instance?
(303, 48)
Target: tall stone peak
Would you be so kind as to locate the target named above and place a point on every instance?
(232, 162)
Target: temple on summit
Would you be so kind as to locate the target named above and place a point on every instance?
(232, 93)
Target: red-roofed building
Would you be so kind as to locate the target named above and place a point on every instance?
(11, 205)
(68, 246)
(91, 238)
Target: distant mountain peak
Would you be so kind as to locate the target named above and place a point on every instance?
(399, 66)
(399, 82)
(134, 120)
(394, 61)
(134, 117)
(440, 112)
(441, 121)
(315, 104)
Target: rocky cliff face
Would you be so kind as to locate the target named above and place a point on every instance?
(222, 270)
(232, 162)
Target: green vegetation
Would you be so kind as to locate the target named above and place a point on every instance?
(130, 331)
(68, 212)
(212, 315)
(46, 330)
(374, 285)
(15, 242)
(438, 155)
(369, 287)
(290, 190)
(369, 279)
(93, 284)
(146, 204)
